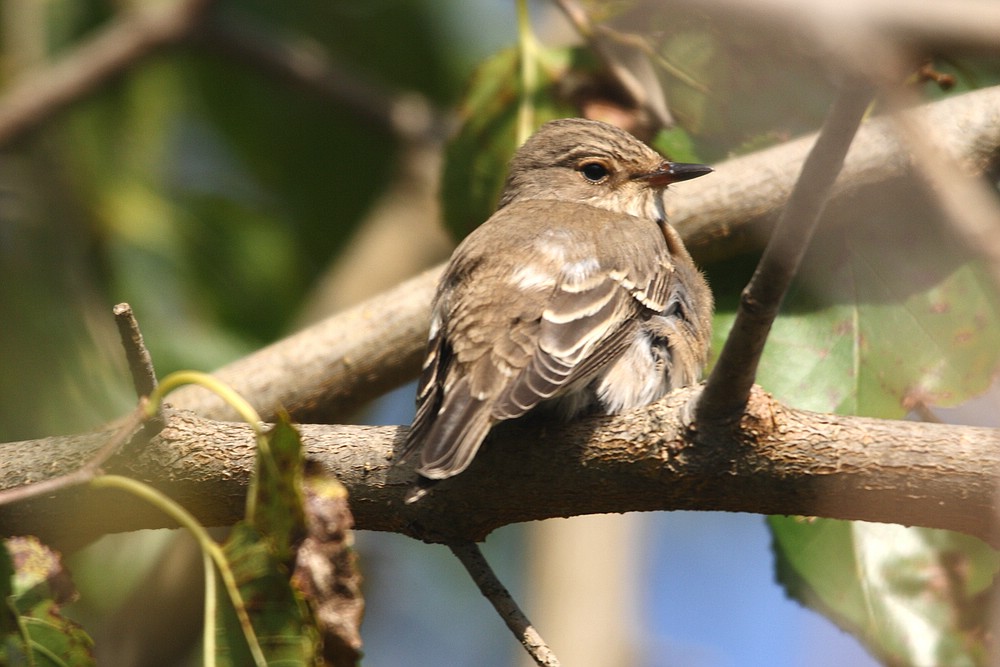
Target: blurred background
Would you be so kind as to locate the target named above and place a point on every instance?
(231, 199)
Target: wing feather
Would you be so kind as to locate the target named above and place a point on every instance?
(513, 330)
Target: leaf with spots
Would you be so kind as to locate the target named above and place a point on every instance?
(888, 312)
(913, 596)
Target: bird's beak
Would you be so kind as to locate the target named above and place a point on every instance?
(672, 172)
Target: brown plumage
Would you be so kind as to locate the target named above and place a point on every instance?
(575, 293)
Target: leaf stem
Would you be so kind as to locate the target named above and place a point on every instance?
(208, 546)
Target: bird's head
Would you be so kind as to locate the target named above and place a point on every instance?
(591, 162)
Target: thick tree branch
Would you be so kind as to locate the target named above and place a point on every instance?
(730, 212)
(330, 369)
(326, 371)
(780, 461)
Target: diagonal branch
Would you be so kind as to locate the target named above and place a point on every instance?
(38, 95)
(728, 387)
(781, 461)
(471, 557)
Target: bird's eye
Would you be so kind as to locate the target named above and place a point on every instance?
(595, 172)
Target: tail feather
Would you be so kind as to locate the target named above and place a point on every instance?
(455, 434)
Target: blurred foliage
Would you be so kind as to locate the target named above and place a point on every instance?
(211, 196)
(35, 585)
(476, 158)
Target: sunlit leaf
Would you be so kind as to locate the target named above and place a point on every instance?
(913, 596)
(887, 311)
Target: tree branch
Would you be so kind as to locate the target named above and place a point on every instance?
(732, 211)
(35, 97)
(329, 370)
(471, 557)
(780, 461)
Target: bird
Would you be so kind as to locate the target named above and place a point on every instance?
(576, 295)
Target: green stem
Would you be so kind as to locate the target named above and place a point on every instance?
(208, 546)
(234, 400)
(528, 52)
(210, 382)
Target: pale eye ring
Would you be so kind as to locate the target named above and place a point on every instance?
(595, 172)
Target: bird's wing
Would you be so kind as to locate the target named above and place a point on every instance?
(589, 320)
(511, 331)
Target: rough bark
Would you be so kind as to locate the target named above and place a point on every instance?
(779, 461)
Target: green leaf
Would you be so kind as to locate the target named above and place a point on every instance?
(476, 159)
(34, 630)
(676, 145)
(887, 311)
(278, 614)
(913, 596)
(275, 501)
(261, 553)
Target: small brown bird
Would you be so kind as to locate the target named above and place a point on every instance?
(575, 293)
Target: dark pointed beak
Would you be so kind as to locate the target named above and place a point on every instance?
(673, 172)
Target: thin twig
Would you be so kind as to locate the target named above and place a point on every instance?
(140, 364)
(406, 114)
(38, 95)
(728, 388)
(475, 563)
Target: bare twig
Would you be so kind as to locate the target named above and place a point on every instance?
(140, 364)
(471, 557)
(38, 95)
(728, 388)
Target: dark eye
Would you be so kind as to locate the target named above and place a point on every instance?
(595, 172)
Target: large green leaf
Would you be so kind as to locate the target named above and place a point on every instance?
(888, 310)
(913, 596)
(278, 613)
(260, 551)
